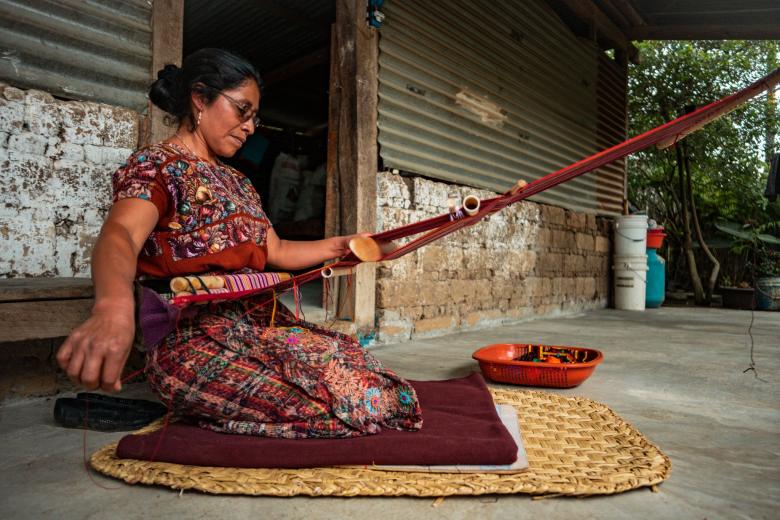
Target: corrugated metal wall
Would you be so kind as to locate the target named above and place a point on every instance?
(483, 92)
(96, 50)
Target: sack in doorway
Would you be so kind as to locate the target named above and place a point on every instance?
(285, 188)
(311, 202)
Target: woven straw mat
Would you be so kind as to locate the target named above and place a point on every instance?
(575, 447)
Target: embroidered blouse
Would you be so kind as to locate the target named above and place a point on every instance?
(210, 216)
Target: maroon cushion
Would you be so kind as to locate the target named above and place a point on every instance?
(460, 426)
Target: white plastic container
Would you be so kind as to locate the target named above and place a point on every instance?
(630, 235)
(630, 282)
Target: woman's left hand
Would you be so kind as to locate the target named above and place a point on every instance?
(293, 255)
(341, 244)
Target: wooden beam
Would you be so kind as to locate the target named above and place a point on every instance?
(42, 319)
(167, 42)
(27, 289)
(705, 32)
(352, 146)
(367, 95)
(629, 12)
(604, 27)
(296, 67)
(615, 14)
(332, 183)
(332, 187)
(589, 12)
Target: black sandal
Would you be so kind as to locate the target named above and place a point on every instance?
(141, 404)
(106, 413)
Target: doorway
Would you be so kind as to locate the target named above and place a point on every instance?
(289, 44)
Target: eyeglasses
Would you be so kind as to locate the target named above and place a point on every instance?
(245, 112)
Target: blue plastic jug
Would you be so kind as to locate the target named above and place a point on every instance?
(655, 293)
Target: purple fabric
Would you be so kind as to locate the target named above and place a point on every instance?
(158, 318)
(460, 426)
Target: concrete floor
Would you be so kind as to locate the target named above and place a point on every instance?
(676, 374)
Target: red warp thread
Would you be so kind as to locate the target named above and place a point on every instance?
(443, 225)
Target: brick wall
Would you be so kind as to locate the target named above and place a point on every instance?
(56, 161)
(527, 260)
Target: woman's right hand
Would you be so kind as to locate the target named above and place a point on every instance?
(96, 351)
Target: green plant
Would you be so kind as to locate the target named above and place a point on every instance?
(757, 249)
(718, 173)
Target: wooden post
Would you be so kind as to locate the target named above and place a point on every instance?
(352, 147)
(167, 41)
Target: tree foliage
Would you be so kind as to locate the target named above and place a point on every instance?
(728, 157)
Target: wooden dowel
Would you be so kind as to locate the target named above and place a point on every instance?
(187, 283)
(518, 187)
(334, 272)
(452, 205)
(368, 249)
(190, 293)
(471, 204)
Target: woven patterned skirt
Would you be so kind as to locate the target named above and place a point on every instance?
(236, 371)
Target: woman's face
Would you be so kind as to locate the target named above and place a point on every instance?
(227, 122)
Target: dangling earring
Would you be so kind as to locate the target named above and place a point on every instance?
(197, 123)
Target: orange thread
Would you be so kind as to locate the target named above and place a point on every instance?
(273, 312)
(326, 289)
(297, 298)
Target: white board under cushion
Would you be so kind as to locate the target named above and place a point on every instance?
(508, 416)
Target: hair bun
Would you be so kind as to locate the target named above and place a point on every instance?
(170, 73)
(206, 72)
(165, 92)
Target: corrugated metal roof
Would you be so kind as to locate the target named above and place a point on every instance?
(674, 20)
(485, 92)
(98, 50)
(708, 12)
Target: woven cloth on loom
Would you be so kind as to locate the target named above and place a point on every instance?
(245, 282)
(236, 283)
(575, 447)
(460, 426)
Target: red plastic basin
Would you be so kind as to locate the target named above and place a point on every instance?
(655, 238)
(500, 363)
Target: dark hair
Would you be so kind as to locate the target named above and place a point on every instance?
(206, 72)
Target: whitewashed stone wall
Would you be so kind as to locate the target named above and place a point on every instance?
(527, 260)
(56, 162)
